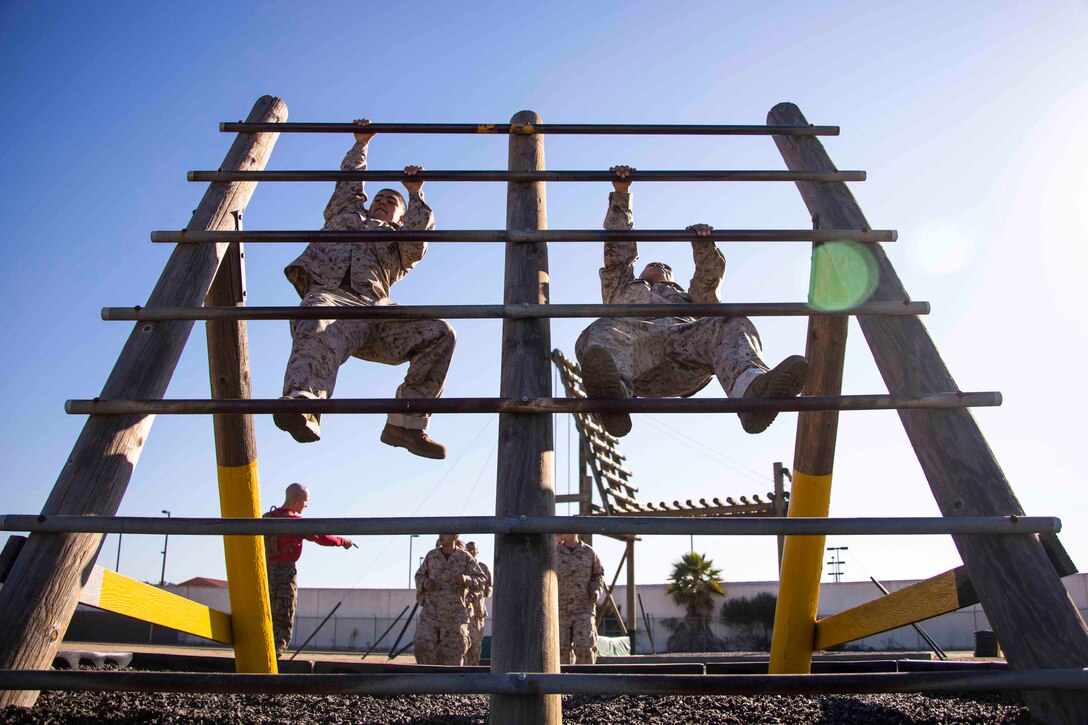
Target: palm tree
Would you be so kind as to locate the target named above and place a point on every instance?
(694, 584)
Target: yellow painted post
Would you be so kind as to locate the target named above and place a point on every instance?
(802, 564)
(239, 489)
(838, 280)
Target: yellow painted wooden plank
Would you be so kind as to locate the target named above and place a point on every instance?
(132, 598)
(923, 600)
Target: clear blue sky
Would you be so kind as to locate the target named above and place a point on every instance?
(967, 117)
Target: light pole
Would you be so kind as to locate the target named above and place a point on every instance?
(165, 541)
(836, 562)
(117, 566)
(411, 583)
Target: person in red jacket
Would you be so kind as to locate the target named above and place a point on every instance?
(281, 553)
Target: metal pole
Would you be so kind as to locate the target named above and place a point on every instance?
(525, 634)
(543, 128)
(525, 176)
(504, 236)
(388, 629)
(316, 630)
(917, 627)
(530, 404)
(524, 684)
(467, 312)
(526, 524)
(117, 566)
(649, 629)
(393, 649)
(165, 541)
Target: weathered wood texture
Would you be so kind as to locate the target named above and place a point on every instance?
(1037, 623)
(814, 454)
(41, 593)
(112, 592)
(236, 456)
(525, 635)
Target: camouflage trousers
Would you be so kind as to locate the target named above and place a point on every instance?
(578, 632)
(320, 347)
(442, 638)
(283, 592)
(476, 637)
(674, 357)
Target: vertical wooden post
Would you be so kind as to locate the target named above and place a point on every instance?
(801, 557)
(37, 601)
(1020, 591)
(632, 620)
(239, 488)
(526, 632)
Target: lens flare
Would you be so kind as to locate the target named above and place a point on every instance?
(844, 274)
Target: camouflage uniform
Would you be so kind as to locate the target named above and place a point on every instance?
(673, 356)
(283, 593)
(477, 615)
(442, 632)
(581, 584)
(361, 274)
(281, 553)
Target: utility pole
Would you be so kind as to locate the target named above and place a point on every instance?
(165, 541)
(836, 563)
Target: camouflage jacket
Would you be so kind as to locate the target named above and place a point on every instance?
(375, 266)
(477, 605)
(581, 578)
(618, 282)
(456, 577)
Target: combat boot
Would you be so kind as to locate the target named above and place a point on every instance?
(601, 379)
(786, 380)
(303, 427)
(414, 440)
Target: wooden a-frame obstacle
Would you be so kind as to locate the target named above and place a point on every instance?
(1007, 556)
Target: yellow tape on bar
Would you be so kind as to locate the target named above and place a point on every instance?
(485, 128)
(247, 578)
(799, 591)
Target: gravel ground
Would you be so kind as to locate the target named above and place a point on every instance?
(131, 707)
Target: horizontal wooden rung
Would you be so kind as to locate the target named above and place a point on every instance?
(532, 405)
(528, 129)
(677, 525)
(523, 311)
(333, 236)
(525, 176)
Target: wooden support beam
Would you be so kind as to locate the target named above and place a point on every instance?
(814, 448)
(239, 487)
(1025, 601)
(933, 597)
(525, 628)
(37, 602)
(112, 592)
(942, 594)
